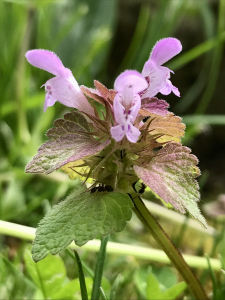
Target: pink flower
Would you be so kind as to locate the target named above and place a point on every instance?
(63, 87)
(126, 105)
(157, 75)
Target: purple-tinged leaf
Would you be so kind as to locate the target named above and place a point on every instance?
(106, 94)
(70, 140)
(170, 175)
(154, 106)
(92, 93)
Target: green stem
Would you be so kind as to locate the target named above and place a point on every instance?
(99, 269)
(83, 287)
(169, 248)
(103, 294)
(213, 277)
(28, 233)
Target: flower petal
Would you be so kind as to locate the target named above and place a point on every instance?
(157, 76)
(119, 110)
(133, 112)
(68, 94)
(175, 91)
(168, 88)
(164, 50)
(132, 79)
(49, 101)
(132, 133)
(118, 132)
(46, 60)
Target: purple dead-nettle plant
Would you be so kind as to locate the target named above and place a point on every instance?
(134, 140)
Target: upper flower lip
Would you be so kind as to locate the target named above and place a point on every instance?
(130, 78)
(64, 86)
(46, 60)
(164, 50)
(158, 75)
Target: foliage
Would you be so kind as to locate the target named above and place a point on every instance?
(82, 34)
(81, 217)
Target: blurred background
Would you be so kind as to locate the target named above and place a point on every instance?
(98, 39)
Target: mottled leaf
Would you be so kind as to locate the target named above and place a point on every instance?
(153, 106)
(80, 217)
(169, 126)
(170, 175)
(70, 140)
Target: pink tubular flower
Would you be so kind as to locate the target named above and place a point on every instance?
(126, 105)
(63, 87)
(159, 76)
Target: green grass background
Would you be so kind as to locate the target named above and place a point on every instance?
(98, 39)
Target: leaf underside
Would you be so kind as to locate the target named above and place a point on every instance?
(80, 218)
(70, 140)
(170, 175)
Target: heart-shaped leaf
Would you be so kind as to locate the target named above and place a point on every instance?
(80, 218)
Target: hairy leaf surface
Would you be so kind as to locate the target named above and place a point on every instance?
(106, 94)
(153, 106)
(80, 217)
(170, 175)
(70, 140)
(92, 93)
(169, 126)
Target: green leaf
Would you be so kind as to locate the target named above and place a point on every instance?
(81, 217)
(89, 283)
(49, 275)
(68, 291)
(170, 175)
(115, 286)
(83, 287)
(153, 290)
(70, 140)
(140, 279)
(174, 291)
(165, 276)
